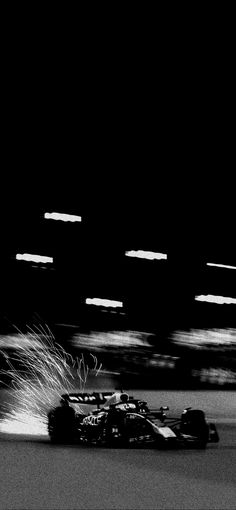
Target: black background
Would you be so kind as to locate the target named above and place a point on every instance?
(136, 136)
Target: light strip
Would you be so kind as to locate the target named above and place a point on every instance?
(220, 265)
(62, 217)
(104, 302)
(150, 255)
(28, 257)
(220, 300)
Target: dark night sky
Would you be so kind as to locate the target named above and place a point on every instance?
(141, 146)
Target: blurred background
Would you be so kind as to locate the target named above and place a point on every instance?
(143, 283)
(135, 142)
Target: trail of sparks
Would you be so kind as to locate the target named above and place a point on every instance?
(46, 372)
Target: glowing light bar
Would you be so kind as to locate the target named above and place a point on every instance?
(220, 265)
(104, 302)
(28, 257)
(220, 300)
(150, 255)
(62, 217)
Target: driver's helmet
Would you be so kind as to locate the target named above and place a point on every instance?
(124, 397)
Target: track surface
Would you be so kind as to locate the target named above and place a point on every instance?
(36, 474)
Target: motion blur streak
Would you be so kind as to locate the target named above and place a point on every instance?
(62, 217)
(200, 338)
(45, 371)
(104, 302)
(224, 266)
(149, 255)
(220, 300)
(28, 257)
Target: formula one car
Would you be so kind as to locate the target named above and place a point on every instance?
(124, 421)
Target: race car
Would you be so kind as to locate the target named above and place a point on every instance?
(123, 421)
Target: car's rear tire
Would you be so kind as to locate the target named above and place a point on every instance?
(59, 434)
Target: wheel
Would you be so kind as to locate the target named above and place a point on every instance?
(62, 426)
(193, 422)
(60, 434)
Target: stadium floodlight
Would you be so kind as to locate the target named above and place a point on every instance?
(62, 217)
(220, 265)
(220, 300)
(104, 302)
(39, 259)
(149, 255)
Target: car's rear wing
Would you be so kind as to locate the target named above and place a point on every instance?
(94, 398)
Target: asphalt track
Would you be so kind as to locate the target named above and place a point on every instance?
(37, 475)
